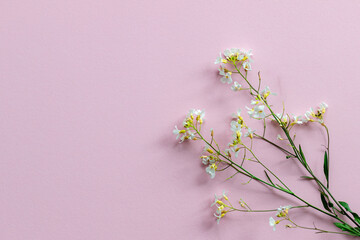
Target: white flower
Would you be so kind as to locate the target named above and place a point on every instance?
(207, 160)
(284, 208)
(208, 149)
(247, 66)
(307, 116)
(190, 134)
(216, 200)
(258, 112)
(236, 86)
(224, 195)
(283, 211)
(237, 114)
(323, 106)
(197, 114)
(226, 75)
(221, 206)
(284, 119)
(178, 133)
(236, 150)
(229, 53)
(279, 137)
(249, 133)
(219, 59)
(236, 129)
(272, 223)
(266, 92)
(255, 102)
(211, 169)
(299, 120)
(245, 55)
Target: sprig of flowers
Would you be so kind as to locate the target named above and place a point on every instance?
(235, 62)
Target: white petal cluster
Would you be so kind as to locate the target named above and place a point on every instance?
(257, 112)
(188, 133)
(317, 115)
(222, 208)
(226, 75)
(236, 59)
(236, 86)
(211, 169)
(311, 115)
(249, 133)
(266, 92)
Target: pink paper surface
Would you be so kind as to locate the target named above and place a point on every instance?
(90, 92)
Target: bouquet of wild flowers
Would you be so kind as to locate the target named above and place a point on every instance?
(236, 155)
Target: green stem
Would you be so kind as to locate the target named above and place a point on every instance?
(275, 145)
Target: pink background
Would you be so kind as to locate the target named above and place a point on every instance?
(90, 92)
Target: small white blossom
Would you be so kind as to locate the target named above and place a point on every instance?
(236, 151)
(299, 120)
(197, 114)
(226, 75)
(249, 133)
(216, 200)
(279, 137)
(272, 223)
(283, 118)
(236, 86)
(255, 102)
(266, 92)
(211, 169)
(176, 131)
(284, 208)
(323, 106)
(236, 129)
(233, 52)
(222, 208)
(180, 133)
(219, 59)
(247, 66)
(208, 149)
(258, 112)
(245, 56)
(237, 114)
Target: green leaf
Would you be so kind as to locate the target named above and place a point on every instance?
(284, 189)
(346, 227)
(345, 205)
(326, 167)
(324, 202)
(356, 217)
(302, 154)
(307, 178)
(268, 178)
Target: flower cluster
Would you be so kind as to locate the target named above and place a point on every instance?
(282, 214)
(211, 160)
(236, 128)
(222, 208)
(194, 117)
(235, 59)
(318, 115)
